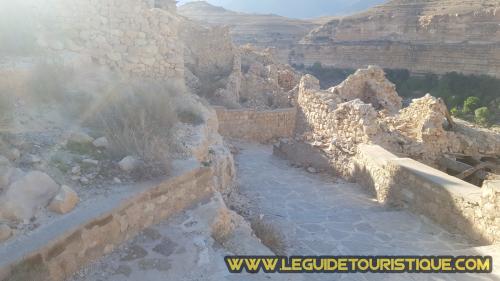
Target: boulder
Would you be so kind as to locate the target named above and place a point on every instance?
(24, 197)
(128, 164)
(101, 142)
(5, 232)
(80, 137)
(65, 200)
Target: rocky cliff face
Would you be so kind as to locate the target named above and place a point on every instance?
(422, 36)
(260, 30)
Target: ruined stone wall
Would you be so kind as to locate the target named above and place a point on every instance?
(131, 36)
(212, 63)
(337, 118)
(261, 126)
(451, 202)
(366, 109)
(265, 82)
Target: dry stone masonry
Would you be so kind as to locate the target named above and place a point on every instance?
(336, 118)
(130, 36)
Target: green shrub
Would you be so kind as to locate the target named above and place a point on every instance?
(471, 104)
(456, 112)
(482, 116)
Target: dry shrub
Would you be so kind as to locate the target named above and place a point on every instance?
(270, 236)
(223, 226)
(138, 119)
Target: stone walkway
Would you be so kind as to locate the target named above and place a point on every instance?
(319, 215)
(303, 213)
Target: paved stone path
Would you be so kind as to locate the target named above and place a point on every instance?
(312, 214)
(318, 215)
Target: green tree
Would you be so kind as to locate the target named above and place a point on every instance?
(471, 104)
(482, 116)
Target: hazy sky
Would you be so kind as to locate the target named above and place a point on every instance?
(295, 8)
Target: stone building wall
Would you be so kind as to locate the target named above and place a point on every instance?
(131, 36)
(261, 126)
(447, 200)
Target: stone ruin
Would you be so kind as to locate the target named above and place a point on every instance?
(231, 76)
(366, 109)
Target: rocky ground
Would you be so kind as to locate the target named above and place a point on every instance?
(49, 164)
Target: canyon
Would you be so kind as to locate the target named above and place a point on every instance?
(421, 36)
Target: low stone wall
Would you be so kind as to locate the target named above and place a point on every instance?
(403, 182)
(252, 125)
(451, 202)
(57, 250)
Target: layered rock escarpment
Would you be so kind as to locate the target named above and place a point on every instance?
(422, 36)
(260, 30)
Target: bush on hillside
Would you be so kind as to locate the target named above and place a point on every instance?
(482, 116)
(471, 104)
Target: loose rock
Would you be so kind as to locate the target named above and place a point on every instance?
(128, 164)
(65, 200)
(25, 196)
(312, 170)
(76, 170)
(101, 142)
